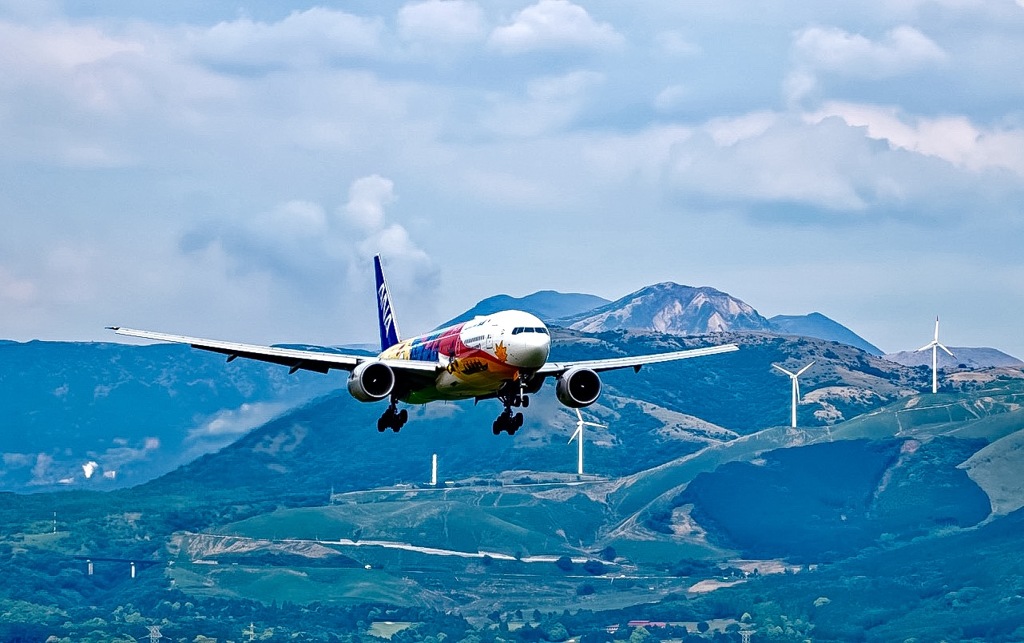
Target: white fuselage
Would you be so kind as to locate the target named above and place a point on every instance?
(478, 356)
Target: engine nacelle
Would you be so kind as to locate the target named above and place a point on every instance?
(578, 387)
(371, 381)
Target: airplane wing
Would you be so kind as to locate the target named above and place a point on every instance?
(296, 359)
(634, 361)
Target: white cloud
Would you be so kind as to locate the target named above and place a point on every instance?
(120, 457)
(554, 24)
(225, 426)
(367, 198)
(729, 131)
(311, 37)
(551, 103)
(17, 460)
(775, 163)
(297, 243)
(442, 21)
(835, 50)
(951, 138)
(42, 470)
(638, 157)
(28, 49)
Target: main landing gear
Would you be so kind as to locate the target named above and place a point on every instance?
(507, 421)
(393, 418)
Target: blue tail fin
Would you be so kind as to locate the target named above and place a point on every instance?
(385, 312)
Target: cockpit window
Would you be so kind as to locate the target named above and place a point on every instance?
(529, 329)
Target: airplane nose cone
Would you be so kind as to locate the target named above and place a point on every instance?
(531, 351)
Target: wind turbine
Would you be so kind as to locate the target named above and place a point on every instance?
(578, 436)
(796, 386)
(935, 346)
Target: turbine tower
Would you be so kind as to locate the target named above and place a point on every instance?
(935, 346)
(796, 386)
(578, 436)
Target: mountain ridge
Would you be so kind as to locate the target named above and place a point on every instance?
(818, 325)
(548, 305)
(971, 357)
(669, 307)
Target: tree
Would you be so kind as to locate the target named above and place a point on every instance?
(556, 632)
(564, 563)
(640, 635)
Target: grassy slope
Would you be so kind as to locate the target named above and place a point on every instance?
(963, 586)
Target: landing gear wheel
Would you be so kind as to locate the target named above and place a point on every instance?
(507, 423)
(392, 418)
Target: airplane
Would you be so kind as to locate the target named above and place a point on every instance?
(501, 356)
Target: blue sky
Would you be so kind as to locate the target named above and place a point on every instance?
(228, 170)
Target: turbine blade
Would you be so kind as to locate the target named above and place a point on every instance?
(925, 347)
(804, 369)
(575, 434)
(936, 328)
(946, 349)
(783, 370)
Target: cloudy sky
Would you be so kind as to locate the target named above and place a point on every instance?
(228, 169)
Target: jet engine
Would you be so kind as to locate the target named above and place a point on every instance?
(371, 381)
(578, 387)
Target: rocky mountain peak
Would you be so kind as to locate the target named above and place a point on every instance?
(672, 308)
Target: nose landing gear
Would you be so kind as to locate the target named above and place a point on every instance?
(509, 422)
